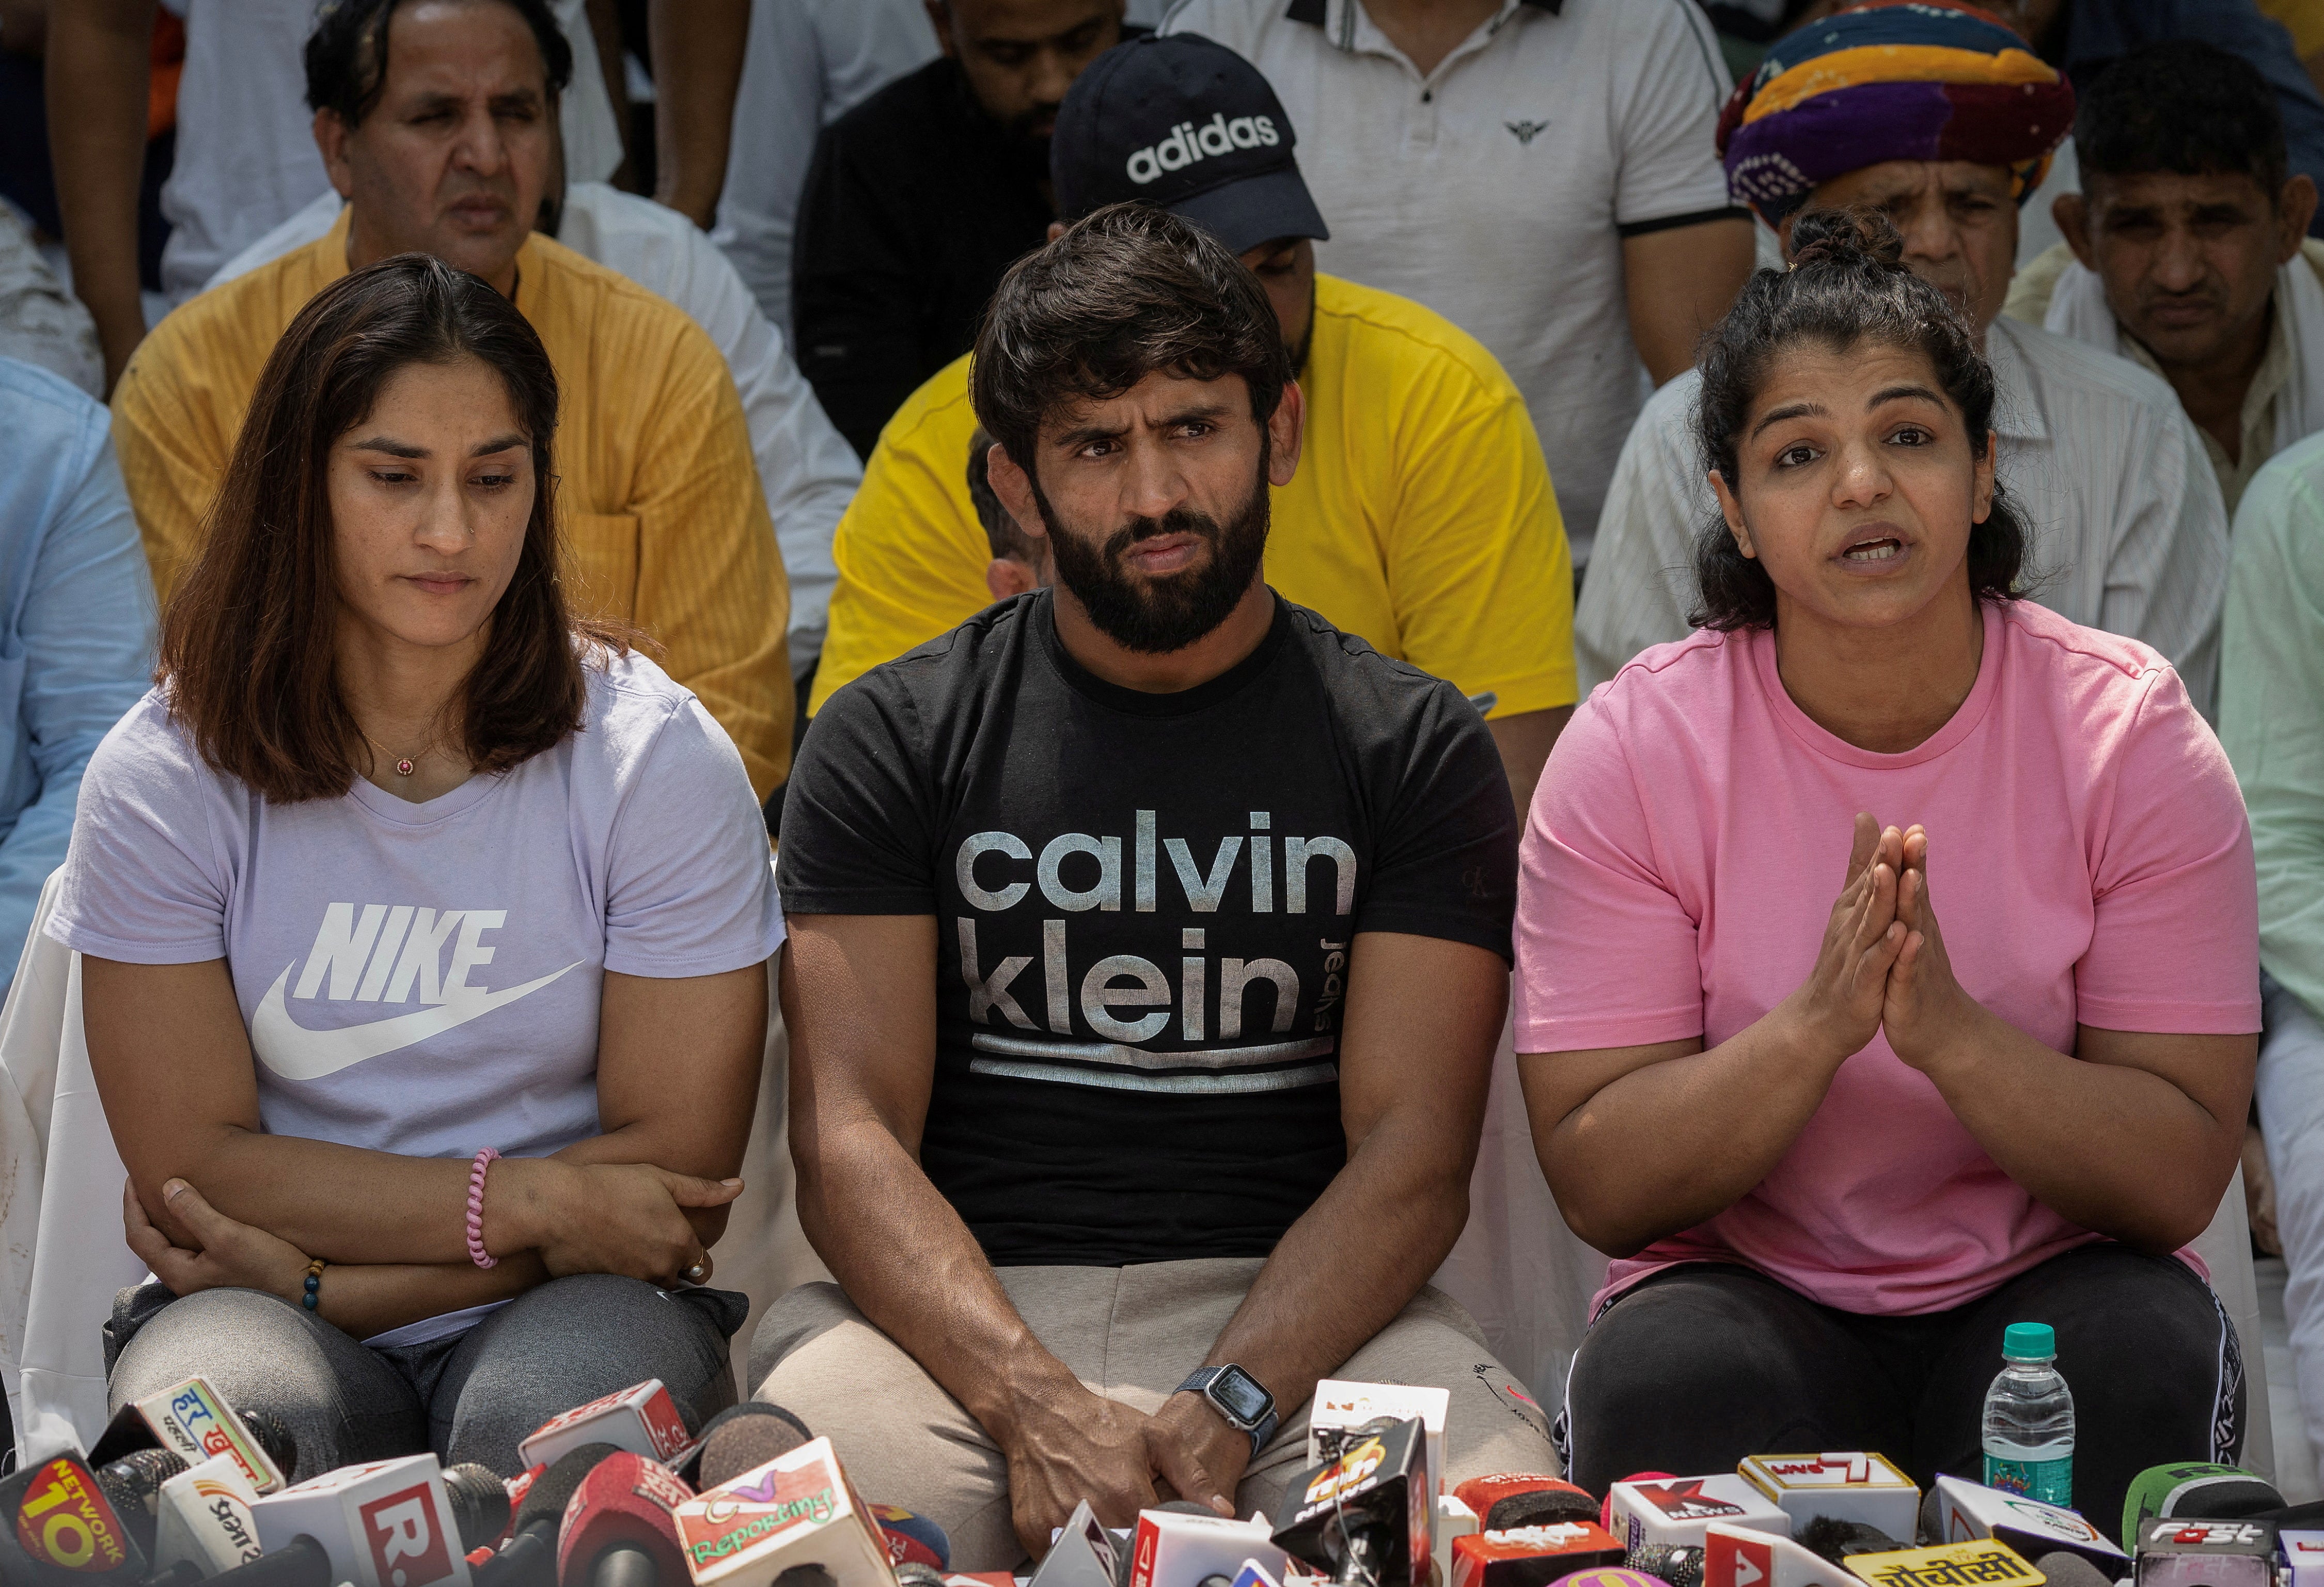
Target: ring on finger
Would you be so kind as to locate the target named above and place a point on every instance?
(697, 1272)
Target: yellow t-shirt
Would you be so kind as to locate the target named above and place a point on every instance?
(1421, 517)
(665, 525)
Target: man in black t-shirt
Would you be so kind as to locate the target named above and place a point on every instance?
(1149, 942)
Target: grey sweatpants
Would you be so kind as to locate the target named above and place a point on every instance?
(472, 1397)
(1130, 1334)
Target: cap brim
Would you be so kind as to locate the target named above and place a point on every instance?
(1255, 209)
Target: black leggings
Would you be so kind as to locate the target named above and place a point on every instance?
(1701, 1365)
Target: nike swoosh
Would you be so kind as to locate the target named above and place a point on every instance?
(296, 1053)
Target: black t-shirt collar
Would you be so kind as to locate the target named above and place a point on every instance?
(1134, 702)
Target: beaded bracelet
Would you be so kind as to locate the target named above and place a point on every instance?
(477, 1251)
(313, 1299)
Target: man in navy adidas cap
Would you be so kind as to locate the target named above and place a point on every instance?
(1422, 516)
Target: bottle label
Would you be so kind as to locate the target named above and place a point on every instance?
(2050, 1481)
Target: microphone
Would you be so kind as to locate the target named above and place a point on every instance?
(1677, 1563)
(620, 1528)
(2195, 1552)
(56, 1523)
(1674, 1511)
(530, 1560)
(1533, 1557)
(1362, 1516)
(2062, 1567)
(197, 1422)
(2200, 1490)
(743, 1438)
(1082, 1555)
(1508, 1499)
(913, 1538)
(794, 1516)
(380, 1524)
(1741, 1556)
(1340, 1411)
(480, 1503)
(2302, 1548)
(1838, 1540)
(1957, 1510)
(641, 1418)
(133, 1484)
(1857, 1486)
(1981, 1561)
(204, 1526)
(1183, 1542)
(913, 1573)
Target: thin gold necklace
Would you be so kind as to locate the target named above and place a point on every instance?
(404, 765)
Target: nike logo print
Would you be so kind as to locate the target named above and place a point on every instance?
(296, 1053)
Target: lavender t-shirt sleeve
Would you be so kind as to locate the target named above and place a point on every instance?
(2174, 943)
(690, 883)
(1605, 950)
(145, 879)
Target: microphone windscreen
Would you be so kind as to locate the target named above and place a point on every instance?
(912, 1536)
(134, 1485)
(2065, 1569)
(1678, 1564)
(744, 1437)
(545, 1501)
(1836, 1539)
(913, 1573)
(480, 1503)
(2194, 1490)
(1508, 1502)
(274, 1437)
(626, 1498)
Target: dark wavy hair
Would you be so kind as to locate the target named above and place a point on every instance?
(247, 654)
(1848, 285)
(1128, 291)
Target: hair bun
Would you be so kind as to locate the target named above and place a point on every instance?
(1846, 239)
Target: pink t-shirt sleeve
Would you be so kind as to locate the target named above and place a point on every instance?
(1606, 952)
(2176, 898)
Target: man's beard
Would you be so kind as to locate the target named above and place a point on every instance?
(1156, 616)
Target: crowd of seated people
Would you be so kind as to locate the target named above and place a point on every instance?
(1155, 586)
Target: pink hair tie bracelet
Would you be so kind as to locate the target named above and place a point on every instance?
(477, 1251)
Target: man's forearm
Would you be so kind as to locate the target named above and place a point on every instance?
(1351, 1262)
(907, 1261)
(98, 64)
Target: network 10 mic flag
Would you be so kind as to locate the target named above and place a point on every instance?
(61, 1529)
(797, 1509)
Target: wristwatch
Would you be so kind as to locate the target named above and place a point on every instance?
(1238, 1396)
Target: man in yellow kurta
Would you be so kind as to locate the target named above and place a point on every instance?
(1421, 517)
(440, 129)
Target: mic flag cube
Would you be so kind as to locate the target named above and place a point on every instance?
(1174, 1548)
(1676, 1509)
(205, 1519)
(1455, 1520)
(1851, 1487)
(1082, 1555)
(1956, 1511)
(1534, 1556)
(797, 1509)
(1981, 1563)
(2302, 1552)
(384, 1523)
(1372, 1503)
(642, 1419)
(1608, 1576)
(61, 1528)
(196, 1421)
(2199, 1488)
(2190, 1551)
(1341, 1407)
(1739, 1557)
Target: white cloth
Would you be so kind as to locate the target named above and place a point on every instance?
(2291, 1094)
(808, 63)
(41, 322)
(807, 469)
(2079, 308)
(247, 157)
(2129, 532)
(1498, 189)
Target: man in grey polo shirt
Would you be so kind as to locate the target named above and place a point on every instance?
(1541, 172)
(2130, 533)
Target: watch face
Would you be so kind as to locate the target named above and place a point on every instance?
(1239, 1392)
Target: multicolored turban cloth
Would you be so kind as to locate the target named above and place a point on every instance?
(1891, 79)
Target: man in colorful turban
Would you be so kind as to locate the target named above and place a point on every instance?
(1934, 113)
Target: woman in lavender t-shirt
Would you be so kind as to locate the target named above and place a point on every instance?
(403, 865)
(1887, 952)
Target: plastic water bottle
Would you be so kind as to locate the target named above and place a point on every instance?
(2029, 1419)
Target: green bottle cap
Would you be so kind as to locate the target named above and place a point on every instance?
(2029, 1342)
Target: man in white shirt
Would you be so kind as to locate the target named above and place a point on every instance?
(245, 154)
(806, 467)
(1541, 172)
(2130, 532)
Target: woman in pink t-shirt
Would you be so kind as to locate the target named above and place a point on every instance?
(1887, 952)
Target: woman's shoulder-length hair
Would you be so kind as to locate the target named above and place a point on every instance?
(247, 648)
